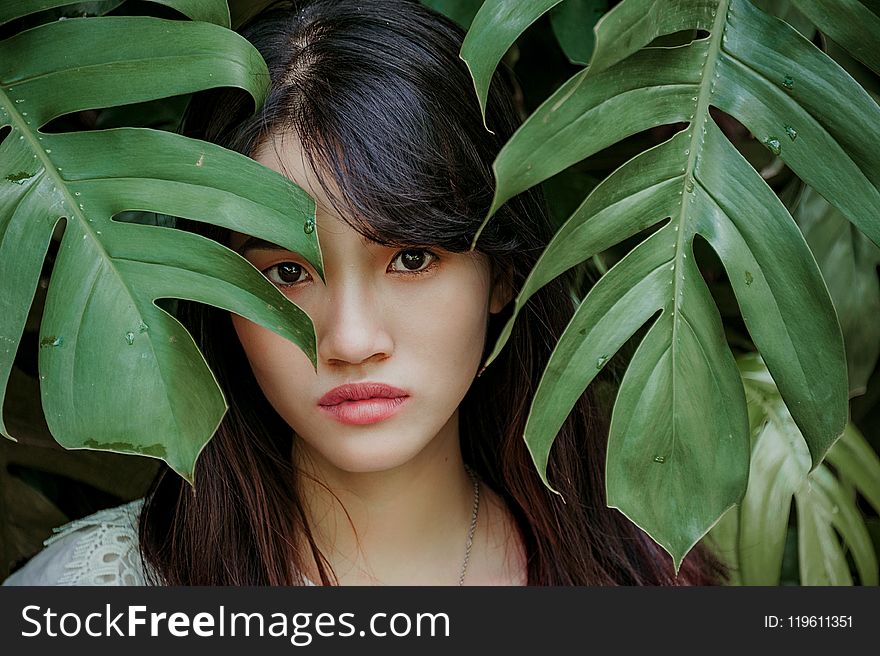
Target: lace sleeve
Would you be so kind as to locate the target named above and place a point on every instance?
(101, 549)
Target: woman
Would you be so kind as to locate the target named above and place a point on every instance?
(394, 463)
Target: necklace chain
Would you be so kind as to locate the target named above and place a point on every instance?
(472, 528)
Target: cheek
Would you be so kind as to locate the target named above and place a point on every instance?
(276, 363)
(255, 340)
(449, 328)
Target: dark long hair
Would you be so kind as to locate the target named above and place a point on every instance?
(387, 116)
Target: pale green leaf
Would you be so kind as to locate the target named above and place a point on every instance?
(849, 262)
(856, 33)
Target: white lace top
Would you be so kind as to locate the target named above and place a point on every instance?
(101, 549)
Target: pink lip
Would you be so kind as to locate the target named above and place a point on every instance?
(362, 403)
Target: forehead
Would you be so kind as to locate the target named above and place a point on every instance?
(284, 154)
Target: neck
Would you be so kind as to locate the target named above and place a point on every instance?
(402, 526)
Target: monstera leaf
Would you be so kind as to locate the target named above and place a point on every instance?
(752, 537)
(678, 447)
(848, 261)
(117, 372)
(573, 22)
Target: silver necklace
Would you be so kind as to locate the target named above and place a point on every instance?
(473, 526)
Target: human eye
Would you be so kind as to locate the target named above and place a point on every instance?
(413, 260)
(286, 274)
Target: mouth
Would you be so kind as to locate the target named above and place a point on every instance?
(365, 411)
(363, 403)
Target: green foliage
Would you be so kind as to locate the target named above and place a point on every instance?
(857, 33)
(752, 536)
(849, 261)
(494, 29)
(679, 449)
(573, 22)
(461, 11)
(118, 372)
(198, 10)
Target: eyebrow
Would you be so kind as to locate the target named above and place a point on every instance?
(255, 243)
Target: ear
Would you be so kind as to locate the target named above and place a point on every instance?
(502, 290)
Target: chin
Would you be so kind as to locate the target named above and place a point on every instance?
(364, 455)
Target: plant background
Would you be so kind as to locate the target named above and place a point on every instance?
(43, 485)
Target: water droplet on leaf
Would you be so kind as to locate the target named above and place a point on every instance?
(660, 459)
(51, 340)
(143, 327)
(788, 82)
(773, 144)
(791, 132)
(749, 278)
(600, 361)
(129, 337)
(689, 185)
(309, 227)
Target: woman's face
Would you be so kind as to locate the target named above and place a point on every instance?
(411, 319)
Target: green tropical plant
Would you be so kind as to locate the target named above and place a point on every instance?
(679, 446)
(117, 371)
(752, 535)
(849, 261)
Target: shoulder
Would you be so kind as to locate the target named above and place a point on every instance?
(101, 549)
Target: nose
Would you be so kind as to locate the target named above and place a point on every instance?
(352, 328)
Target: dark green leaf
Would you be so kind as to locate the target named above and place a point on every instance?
(573, 22)
(117, 372)
(211, 11)
(461, 11)
(494, 29)
(809, 113)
